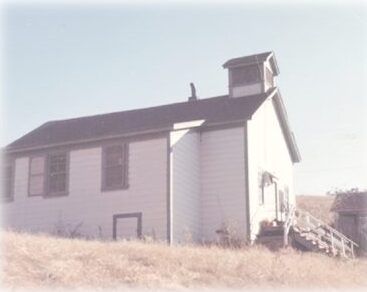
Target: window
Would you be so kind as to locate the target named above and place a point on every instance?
(7, 177)
(57, 174)
(36, 176)
(246, 75)
(114, 167)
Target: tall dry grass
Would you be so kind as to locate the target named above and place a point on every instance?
(318, 206)
(35, 261)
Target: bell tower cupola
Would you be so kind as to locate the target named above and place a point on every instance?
(251, 75)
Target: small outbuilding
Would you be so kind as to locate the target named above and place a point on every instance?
(351, 217)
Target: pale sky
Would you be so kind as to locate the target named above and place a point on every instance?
(63, 62)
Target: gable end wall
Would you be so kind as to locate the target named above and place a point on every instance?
(267, 150)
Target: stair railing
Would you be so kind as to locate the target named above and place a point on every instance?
(335, 235)
(289, 217)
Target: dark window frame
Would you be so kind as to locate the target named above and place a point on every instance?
(124, 165)
(139, 227)
(7, 163)
(30, 175)
(51, 194)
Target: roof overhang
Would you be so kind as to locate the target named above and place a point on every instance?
(178, 126)
(273, 63)
(350, 203)
(254, 60)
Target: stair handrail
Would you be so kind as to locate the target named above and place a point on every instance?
(333, 232)
(288, 223)
(331, 229)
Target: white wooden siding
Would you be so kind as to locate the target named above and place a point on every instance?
(222, 172)
(267, 150)
(185, 178)
(244, 90)
(207, 175)
(87, 205)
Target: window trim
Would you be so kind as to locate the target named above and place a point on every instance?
(137, 215)
(125, 157)
(44, 175)
(8, 162)
(47, 192)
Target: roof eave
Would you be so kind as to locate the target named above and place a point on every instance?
(273, 62)
(270, 58)
(8, 150)
(289, 136)
(235, 62)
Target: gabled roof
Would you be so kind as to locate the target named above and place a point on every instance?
(254, 59)
(215, 110)
(350, 202)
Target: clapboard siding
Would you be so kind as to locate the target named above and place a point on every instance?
(267, 150)
(186, 186)
(87, 205)
(222, 173)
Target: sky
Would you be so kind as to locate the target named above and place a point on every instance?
(65, 61)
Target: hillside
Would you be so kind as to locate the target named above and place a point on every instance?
(35, 261)
(318, 206)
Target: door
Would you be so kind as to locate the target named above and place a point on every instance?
(347, 224)
(362, 233)
(127, 226)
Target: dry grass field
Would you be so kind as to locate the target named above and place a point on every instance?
(39, 261)
(318, 206)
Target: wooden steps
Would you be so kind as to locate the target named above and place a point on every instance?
(306, 233)
(314, 235)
